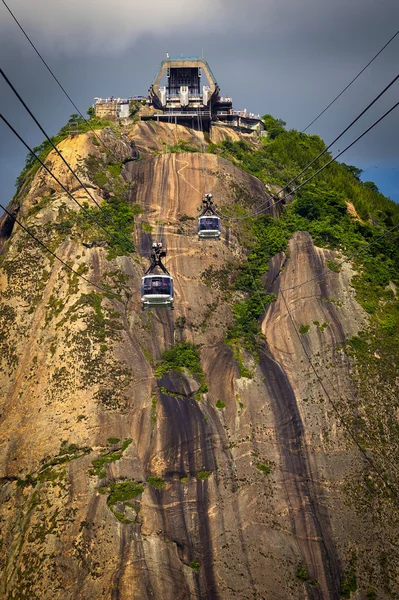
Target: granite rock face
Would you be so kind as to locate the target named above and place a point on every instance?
(116, 484)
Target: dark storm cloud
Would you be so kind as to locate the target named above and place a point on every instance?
(285, 57)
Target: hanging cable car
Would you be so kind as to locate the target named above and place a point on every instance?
(208, 221)
(157, 289)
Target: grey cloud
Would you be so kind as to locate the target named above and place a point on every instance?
(285, 57)
(103, 27)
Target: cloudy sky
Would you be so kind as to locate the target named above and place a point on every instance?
(289, 58)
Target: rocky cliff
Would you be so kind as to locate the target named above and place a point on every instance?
(125, 476)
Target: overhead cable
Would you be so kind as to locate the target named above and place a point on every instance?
(87, 121)
(109, 219)
(38, 241)
(349, 84)
(333, 404)
(57, 180)
(264, 205)
(337, 411)
(342, 151)
(342, 133)
(345, 260)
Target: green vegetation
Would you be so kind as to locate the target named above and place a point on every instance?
(302, 572)
(116, 213)
(156, 482)
(108, 457)
(194, 565)
(181, 146)
(153, 410)
(284, 153)
(134, 107)
(333, 266)
(113, 440)
(182, 356)
(66, 454)
(203, 474)
(115, 169)
(304, 328)
(320, 208)
(120, 495)
(39, 205)
(349, 584)
(146, 227)
(43, 150)
(266, 469)
(124, 490)
(321, 327)
(220, 404)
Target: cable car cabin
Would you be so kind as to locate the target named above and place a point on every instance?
(157, 290)
(209, 227)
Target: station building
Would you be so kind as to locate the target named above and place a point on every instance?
(185, 91)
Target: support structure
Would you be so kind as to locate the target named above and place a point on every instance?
(157, 254)
(207, 205)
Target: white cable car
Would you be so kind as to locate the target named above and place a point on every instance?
(157, 290)
(208, 227)
(208, 221)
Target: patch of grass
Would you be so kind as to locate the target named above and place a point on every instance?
(321, 327)
(115, 169)
(304, 329)
(333, 301)
(203, 475)
(333, 266)
(182, 356)
(220, 405)
(245, 330)
(120, 495)
(116, 207)
(349, 584)
(266, 469)
(40, 204)
(109, 457)
(153, 410)
(242, 369)
(194, 565)
(156, 482)
(113, 440)
(302, 572)
(181, 146)
(183, 479)
(43, 150)
(146, 227)
(123, 490)
(147, 355)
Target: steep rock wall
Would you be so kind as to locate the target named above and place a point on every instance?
(183, 499)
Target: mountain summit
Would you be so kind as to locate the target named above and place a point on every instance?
(241, 446)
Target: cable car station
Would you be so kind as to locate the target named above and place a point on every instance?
(183, 89)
